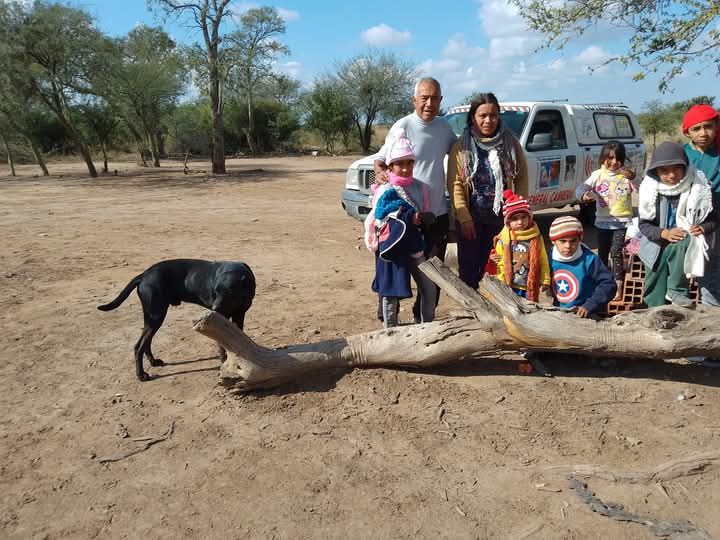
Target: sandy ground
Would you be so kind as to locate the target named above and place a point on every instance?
(361, 454)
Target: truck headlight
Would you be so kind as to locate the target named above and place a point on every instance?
(352, 179)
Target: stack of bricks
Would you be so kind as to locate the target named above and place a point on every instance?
(632, 289)
(632, 293)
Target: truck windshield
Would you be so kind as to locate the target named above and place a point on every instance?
(515, 120)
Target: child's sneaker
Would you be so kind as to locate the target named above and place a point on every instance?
(678, 299)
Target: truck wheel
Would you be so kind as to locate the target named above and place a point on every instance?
(587, 214)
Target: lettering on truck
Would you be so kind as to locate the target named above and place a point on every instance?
(565, 196)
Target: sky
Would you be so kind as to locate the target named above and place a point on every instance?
(468, 45)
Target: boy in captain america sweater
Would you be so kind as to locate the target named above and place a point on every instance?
(579, 278)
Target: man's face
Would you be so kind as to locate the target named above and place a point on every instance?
(703, 134)
(427, 101)
(567, 246)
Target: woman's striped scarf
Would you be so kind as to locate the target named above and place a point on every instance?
(501, 156)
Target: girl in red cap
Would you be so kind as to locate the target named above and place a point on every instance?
(700, 125)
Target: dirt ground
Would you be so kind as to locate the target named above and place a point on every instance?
(360, 454)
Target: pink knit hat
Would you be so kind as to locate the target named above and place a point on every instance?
(401, 148)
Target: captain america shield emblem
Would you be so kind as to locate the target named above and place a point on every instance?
(566, 286)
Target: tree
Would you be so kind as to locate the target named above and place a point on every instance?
(145, 77)
(101, 121)
(496, 321)
(254, 50)
(53, 51)
(208, 15)
(656, 119)
(329, 111)
(668, 36)
(378, 86)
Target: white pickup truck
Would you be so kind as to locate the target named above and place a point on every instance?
(562, 143)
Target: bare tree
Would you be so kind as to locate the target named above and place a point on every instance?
(207, 15)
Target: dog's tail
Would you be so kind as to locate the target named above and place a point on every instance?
(123, 295)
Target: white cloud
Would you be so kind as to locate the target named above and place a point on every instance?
(499, 18)
(288, 15)
(383, 35)
(591, 56)
(291, 68)
(458, 47)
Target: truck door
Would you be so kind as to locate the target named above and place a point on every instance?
(552, 159)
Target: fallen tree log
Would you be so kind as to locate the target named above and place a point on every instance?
(496, 321)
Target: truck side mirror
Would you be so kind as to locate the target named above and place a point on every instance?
(540, 141)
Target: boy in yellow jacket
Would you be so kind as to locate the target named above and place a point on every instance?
(522, 261)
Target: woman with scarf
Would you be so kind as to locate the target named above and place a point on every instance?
(485, 161)
(676, 211)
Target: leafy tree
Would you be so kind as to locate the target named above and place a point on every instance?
(145, 77)
(329, 111)
(668, 36)
(254, 49)
(379, 86)
(656, 119)
(282, 88)
(207, 15)
(52, 51)
(190, 127)
(101, 122)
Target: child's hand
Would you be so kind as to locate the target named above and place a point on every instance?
(628, 173)
(696, 230)
(416, 219)
(673, 235)
(494, 257)
(582, 312)
(587, 197)
(381, 176)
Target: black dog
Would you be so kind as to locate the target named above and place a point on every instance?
(225, 287)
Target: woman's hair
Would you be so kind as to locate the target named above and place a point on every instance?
(481, 99)
(613, 146)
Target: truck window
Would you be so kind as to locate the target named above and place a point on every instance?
(613, 126)
(549, 121)
(515, 120)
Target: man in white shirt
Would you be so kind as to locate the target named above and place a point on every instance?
(431, 138)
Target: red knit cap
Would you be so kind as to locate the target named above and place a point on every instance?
(514, 204)
(697, 114)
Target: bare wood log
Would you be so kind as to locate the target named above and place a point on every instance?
(253, 366)
(685, 466)
(497, 321)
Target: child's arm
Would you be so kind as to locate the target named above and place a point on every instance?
(500, 259)
(456, 189)
(388, 203)
(605, 286)
(544, 266)
(711, 222)
(582, 191)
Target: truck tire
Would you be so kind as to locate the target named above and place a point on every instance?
(587, 213)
